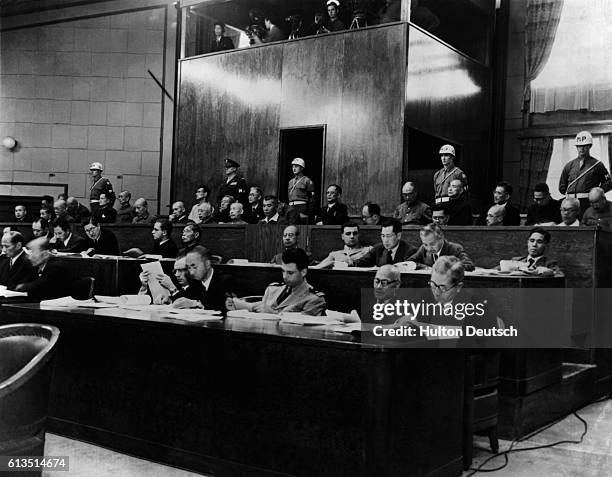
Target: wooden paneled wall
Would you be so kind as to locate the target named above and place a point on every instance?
(233, 105)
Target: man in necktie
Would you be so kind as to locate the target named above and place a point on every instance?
(334, 213)
(434, 246)
(293, 295)
(15, 267)
(392, 248)
(536, 261)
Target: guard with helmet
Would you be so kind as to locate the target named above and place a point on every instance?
(301, 194)
(447, 174)
(234, 184)
(99, 185)
(583, 173)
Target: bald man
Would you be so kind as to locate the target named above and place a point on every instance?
(496, 215)
(179, 214)
(141, 209)
(290, 241)
(599, 214)
(570, 210)
(412, 211)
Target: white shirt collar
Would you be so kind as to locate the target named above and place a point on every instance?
(67, 240)
(394, 250)
(14, 259)
(206, 282)
(274, 217)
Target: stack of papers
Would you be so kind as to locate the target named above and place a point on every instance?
(307, 320)
(193, 314)
(66, 301)
(252, 315)
(10, 293)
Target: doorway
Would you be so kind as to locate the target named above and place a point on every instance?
(309, 144)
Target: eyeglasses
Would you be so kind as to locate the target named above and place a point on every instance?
(383, 282)
(441, 288)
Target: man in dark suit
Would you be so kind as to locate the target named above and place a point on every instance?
(214, 286)
(100, 241)
(221, 43)
(501, 196)
(536, 261)
(64, 240)
(253, 211)
(179, 214)
(181, 287)
(435, 246)
(51, 280)
(20, 213)
(162, 235)
(15, 268)
(545, 210)
(392, 248)
(370, 214)
(334, 213)
(458, 208)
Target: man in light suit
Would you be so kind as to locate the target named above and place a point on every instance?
(392, 248)
(435, 246)
(294, 294)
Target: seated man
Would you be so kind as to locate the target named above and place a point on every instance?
(201, 195)
(392, 248)
(599, 214)
(162, 236)
(99, 241)
(184, 287)
(15, 268)
(40, 228)
(352, 248)
(60, 208)
(570, 209)
(214, 286)
(235, 214)
(457, 207)
(270, 211)
(293, 295)
(334, 213)
(190, 237)
(104, 212)
(290, 240)
(47, 214)
(179, 214)
(385, 285)
(536, 261)
(370, 214)
(254, 209)
(439, 215)
(64, 240)
(412, 211)
(496, 215)
(205, 213)
(501, 196)
(77, 211)
(20, 213)
(435, 246)
(545, 210)
(222, 214)
(51, 277)
(125, 212)
(141, 211)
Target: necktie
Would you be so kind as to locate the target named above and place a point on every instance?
(531, 263)
(282, 297)
(388, 258)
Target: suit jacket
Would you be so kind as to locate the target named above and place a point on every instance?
(225, 43)
(253, 215)
(302, 299)
(22, 271)
(214, 297)
(337, 215)
(512, 217)
(168, 249)
(550, 212)
(459, 212)
(81, 214)
(423, 257)
(106, 215)
(541, 262)
(376, 256)
(183, 219)
(105, 245)
(281, 221)
(49, 283)
(76, 244)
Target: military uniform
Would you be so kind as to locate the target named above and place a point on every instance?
(442, 180)
(418, 213)
(580, 176)
(346, 255)
(101, 186)
(125, 214)
(303, 299)
(300, 191)
(237, 188)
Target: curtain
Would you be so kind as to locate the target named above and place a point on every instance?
(540, 30)
(535, 159)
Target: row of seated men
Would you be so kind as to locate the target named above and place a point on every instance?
(31, 271)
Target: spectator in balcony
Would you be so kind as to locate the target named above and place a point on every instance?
(390, 12)
(221, 42)
(317, 27)
(333, 11)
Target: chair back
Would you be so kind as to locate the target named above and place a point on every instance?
(26, 367)
(83, 288)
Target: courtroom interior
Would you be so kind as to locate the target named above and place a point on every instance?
(305, 237)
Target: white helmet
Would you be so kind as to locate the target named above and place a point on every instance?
(298, 161)
(447, 149)
(583, 138)
(96, 165)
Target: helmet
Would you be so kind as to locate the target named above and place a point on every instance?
(447, 149)
(96, 165)
(583, 138)
(298, 161)
(333, 2)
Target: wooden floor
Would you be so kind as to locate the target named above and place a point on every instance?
(591, 458)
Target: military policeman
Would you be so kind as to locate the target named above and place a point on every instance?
(583, 173)
(99, 185)
(448, 173)
(301, 194)
(293, 295)
(234, 184)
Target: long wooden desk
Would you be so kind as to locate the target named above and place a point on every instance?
(252, 398)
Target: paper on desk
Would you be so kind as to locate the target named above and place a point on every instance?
(344, 327)
(352, 317)
(192, 317)
(127, 300)
(66, 301)
(307, 320)
(148, 308)
(154, 268)
(193, 311)
(4, 292)
(252, 315)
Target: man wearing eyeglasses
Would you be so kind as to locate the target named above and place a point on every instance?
(392, 248)
(352, 248)
(290, 241)
(545, 210)
(435, 246)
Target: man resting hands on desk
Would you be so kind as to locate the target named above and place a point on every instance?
(294, 295)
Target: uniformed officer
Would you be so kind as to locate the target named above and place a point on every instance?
(352, 250)
(449, 172)
(99, 185)
(583, 173)
(234, 184)
(293, 295)
(301, 194)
